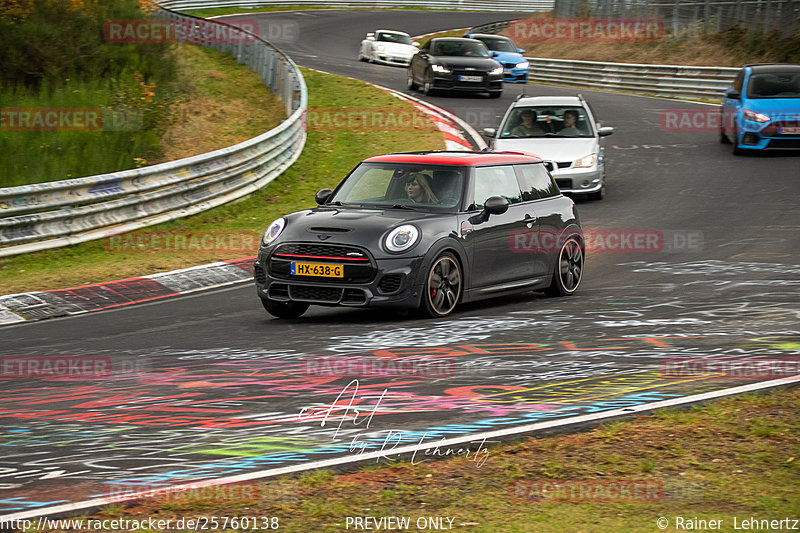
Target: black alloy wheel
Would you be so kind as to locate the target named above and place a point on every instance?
(569, 269)
(443, 286)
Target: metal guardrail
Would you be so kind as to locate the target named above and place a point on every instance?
(457, 5)
(672, 81)
(54, 214)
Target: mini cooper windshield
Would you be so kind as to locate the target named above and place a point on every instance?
(428, 187)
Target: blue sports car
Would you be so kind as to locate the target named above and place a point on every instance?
(503, 50)
(762, 108)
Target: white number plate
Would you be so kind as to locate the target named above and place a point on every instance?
(470, 78)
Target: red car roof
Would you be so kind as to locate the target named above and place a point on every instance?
(457, 158)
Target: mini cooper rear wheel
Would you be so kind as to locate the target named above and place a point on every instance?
(569, 269)
(442, 286)
(284, 309)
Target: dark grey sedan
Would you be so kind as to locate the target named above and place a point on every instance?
(455, 64)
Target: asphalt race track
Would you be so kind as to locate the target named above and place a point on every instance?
(208, 385)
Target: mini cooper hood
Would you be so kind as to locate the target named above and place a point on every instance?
(551, 148)
(353, 225)
(478, 63)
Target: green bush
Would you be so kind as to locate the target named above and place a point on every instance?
(51, 40)
(56, 58)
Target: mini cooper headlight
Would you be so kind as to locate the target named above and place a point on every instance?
(401, 238)
(273, 231)
(585, 161)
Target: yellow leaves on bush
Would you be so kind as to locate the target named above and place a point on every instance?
(15, 10)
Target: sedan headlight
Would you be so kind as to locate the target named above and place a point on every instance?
(524, 64)
(401, 238)
(380, 47)
(440, 68)
(755, 117)
(585, 161)
(273, 231)
(496, 71)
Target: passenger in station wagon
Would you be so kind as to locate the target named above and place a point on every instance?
(528, 127)
(418, 189)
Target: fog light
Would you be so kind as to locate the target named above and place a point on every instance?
(750, 138)
(585, 183)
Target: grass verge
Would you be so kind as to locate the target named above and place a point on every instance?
(330, 153)
(735, 458)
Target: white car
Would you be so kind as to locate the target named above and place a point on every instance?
(388, 47)
(561, 129)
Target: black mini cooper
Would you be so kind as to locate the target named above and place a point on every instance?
(424, 231)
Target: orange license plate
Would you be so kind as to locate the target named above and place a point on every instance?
(319, 270)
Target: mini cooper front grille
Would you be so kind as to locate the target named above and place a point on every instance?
(315, 294)
(390, 283)
(321, 251)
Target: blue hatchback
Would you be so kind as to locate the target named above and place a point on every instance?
(762, 108)
(503, 50)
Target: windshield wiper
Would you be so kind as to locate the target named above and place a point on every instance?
(401, 206)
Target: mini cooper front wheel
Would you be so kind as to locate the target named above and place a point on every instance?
(442, 286)
(284, 309)
(569, 269)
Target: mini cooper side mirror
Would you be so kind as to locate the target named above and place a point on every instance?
(322, 196)
(494, 205)
(733, 95)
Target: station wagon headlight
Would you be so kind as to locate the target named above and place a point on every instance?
(755, 117)
(273, 231)
(440, 68)
(585, 161)
(496, 71)
(401, 238)
(524, 64)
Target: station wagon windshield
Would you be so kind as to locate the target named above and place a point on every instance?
(547, 121)
(401, 185)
